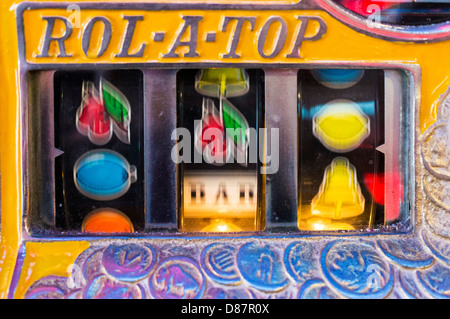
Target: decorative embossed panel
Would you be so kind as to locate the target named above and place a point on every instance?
(306, 268)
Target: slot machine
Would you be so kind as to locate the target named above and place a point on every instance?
(243, 149)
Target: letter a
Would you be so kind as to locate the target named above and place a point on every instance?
(190, 21)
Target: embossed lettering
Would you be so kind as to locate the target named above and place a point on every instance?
(106, 38)
(48, 38)
(301, 34)
(124, 52)
(192, 23)
(280, 40)
(270, 38)
(236, 35)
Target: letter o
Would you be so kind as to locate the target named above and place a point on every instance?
(87, 33)
(281, 39)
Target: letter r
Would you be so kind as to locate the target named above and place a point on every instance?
(48, 38)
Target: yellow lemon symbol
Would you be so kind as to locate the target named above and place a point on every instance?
(341, 126)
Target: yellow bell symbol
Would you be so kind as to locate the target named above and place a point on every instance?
(339, 194)
(222, 82)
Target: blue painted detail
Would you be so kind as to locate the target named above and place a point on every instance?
(436, 281)
(102, 175)
(50, 287)
(177, 278)
(406, 252)
(104, 287)
(368, 107)
(77, 294)
(338, 78)
(409, 285)
(91, 263)
(440, 247)
(219, 293)
(130, 262)
(45, 293)
(261, 267)
(316, 289)
(218, 262)
(356, 270)
(17, 269)
(299, 261)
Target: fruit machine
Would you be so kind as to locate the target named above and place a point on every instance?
(240, 149)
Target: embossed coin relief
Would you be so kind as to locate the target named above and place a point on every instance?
(435, 143)
(315, 268)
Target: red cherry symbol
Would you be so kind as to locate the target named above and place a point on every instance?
(212, 137)
(94, 114)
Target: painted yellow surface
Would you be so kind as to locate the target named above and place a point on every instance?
(168, 21)
(339, 44)
(10, 173)
(44, 259)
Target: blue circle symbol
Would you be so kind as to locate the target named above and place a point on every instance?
(103, 174)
